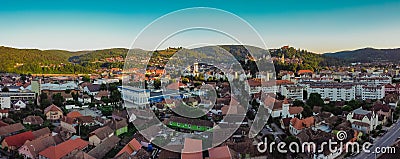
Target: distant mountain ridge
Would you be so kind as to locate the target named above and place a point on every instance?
(368, 55)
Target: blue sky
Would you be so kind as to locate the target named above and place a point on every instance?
(319, 26)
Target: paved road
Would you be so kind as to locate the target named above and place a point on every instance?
(385, 141)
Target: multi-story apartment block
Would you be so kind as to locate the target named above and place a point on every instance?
(333, 91)
(373, 92)
(293, 92)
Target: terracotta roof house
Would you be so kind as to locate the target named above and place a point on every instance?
(85, 120)
(297, 125)
(78, 154)
(68, 123)
(101, 150)
(32, 148)
(74, 114)
(192, 149)
(64, 149)
(32, 120)
(222, 152)
(53, 112)
(16, 141)
(11, 129)
(42, 132)
(100, 135)
(131, 147)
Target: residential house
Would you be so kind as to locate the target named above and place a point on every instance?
(92, 89)
(100, 135)
(222, 152)
(15, 141)
(119, 126)
(10, 130)
(383, 111)
(101, 150)
(41, 132)
(53, 112)
(363, 120)
(192, 149)
(33, 120)
(68, 123)
(297, 125)
(85, 120)
(63, 149)
(19, 104)
(31, 149)
(102, 93)
(131, 147)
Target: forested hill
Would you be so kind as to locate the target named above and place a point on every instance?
(26, 61)
(368, 55)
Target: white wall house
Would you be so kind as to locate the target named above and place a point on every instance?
(363, 120)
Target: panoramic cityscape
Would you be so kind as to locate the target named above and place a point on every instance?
(73, 94)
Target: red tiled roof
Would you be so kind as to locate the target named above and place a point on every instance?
(74, 114)
(304, 71)
(61, 150)
(295, 110)
(303, 123)
(192, 149)
(281, 82)
(19, 139)
(131, 147)
(222, 152)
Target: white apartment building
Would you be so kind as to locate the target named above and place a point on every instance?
(5, 102)
(134, 97)
(372, 92)
(374, 80)
(293, 92)
(333, 91)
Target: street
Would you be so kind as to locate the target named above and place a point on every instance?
(386, 140)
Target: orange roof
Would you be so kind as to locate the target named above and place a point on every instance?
(303, 123)
(74, 114)
(61, 150)
(304, 71)
(192, 149)
(295, 110)
(131, 147)
(222, 152)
